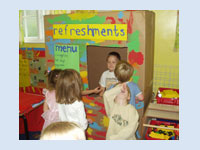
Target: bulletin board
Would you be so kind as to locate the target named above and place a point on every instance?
(139, 46)
(32, 69)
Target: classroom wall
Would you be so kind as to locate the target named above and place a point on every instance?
(33, 45)
(166, 55)
(31, 69)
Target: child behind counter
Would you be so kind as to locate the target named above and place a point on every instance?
(108, 77)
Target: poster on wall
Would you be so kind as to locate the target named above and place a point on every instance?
(66, 57)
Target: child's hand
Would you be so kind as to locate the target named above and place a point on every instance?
(101, 94)
(97, 90)
(124, 88)
(44, 91)
(102, 89)
(139, 97)
(89, 120)
(122, 97)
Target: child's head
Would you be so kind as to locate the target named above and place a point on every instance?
(52, 78)
(62, 131)
(68, 87)
(123, 71)
(124, 96)
(112, 59)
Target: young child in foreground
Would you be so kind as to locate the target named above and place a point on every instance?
(68, 97)
(122, 115)
(62, 131)
(108, 77)
(50, 109)
(126, 112)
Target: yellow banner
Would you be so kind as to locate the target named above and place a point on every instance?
(90, 31)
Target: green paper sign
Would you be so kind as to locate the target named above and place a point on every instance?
(66, 57)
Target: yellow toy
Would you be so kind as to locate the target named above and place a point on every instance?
(163, 134)
(169, 94)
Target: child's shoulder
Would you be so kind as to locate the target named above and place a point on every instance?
(105, 72)
(134, 88)
(78, 103)
(132, 85)
(115, 87)
(51, 92)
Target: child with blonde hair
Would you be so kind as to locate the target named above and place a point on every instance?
(63, 131)
(50, 109)
(68, 97)
(124, 71)
(123, 117)
(119, 103)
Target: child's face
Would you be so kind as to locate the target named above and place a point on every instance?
(122, 97)
(111, 63)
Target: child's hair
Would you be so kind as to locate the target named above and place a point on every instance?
(114, 54)
(129, 93)
(52, 78)
(62, 131)
(68, 87)
(123, 71)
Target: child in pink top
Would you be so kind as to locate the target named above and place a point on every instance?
(50, 108)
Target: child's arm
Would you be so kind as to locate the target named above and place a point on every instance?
(102, 89)
(137, 93)
(109, 97)
(87, 92)
(45, 106)
(129, 131)
(102, 84)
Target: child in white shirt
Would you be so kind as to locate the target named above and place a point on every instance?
(68, 97)
(108, 77)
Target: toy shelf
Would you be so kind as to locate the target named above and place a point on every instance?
(161, 111)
